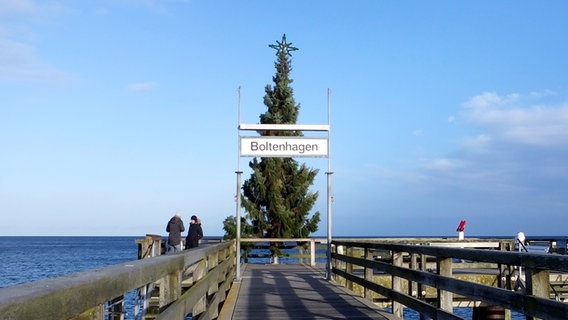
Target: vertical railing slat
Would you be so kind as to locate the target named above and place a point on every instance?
(397, 307)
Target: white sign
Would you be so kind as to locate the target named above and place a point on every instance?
(288, 147)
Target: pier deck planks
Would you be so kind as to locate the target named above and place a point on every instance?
(297, 292)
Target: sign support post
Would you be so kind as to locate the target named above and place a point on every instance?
(329, 193)
(238, 225)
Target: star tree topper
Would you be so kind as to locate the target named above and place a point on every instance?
(283, 46)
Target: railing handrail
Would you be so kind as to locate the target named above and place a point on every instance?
(283, 240)
(68, 296)
(535, 302)
(311, 241)
(529, 260)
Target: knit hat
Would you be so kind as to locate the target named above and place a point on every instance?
(194, 217)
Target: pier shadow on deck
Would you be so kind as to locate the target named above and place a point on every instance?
(294, 292)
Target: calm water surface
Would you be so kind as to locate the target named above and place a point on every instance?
(24, 259)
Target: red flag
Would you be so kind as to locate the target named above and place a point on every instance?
(461, 227)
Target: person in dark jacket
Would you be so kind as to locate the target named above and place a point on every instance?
(175, 227)
(194, 234)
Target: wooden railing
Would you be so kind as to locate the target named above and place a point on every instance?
(415, 266)
(169, 287)
(196, 281)
(305, 253)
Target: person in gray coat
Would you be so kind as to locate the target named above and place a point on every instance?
(175, 227)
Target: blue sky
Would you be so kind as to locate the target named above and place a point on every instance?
(117, 113)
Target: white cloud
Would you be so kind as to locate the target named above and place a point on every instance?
(154, 5)
(515, 118)
(444, 164)
(141, 86)
(478, 142)
(490, 99)
(17, 7)
(31, 8)
(543, 93)
(19, 62)
(517, 157)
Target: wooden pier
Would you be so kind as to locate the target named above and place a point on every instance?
(278, 292)
(426, 275)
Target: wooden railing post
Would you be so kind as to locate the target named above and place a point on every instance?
(349, 269)
(368, 293)
(96, 313)
(170, 288)
(199, 272)
(412, 285)
(422, 287)
(116, 308)
(445, 298)
(150, 246)
(212, 262)
(397, 307)
(538, 284)
(313, 252)
(334, 263)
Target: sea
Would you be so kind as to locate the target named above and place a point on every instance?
(26, 259)
(30, 258)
